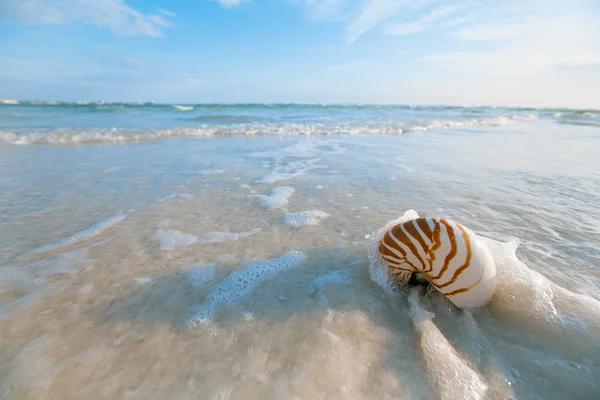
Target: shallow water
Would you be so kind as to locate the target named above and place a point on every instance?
(236, 267)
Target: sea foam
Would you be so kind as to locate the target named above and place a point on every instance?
(81, 236)
(119, 135)
(171, 239)
(278, 198)
(242, 282)
(302, 218)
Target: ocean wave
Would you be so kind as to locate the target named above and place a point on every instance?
(183, 108)
(117, 135)
(227, 118)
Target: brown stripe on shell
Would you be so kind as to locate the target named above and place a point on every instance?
(437, 240)
(384, 249)
(467, 263)
(412, 229)
(425, 228)
(402, 236)
(394, 259)
(458, 291)
(453, 250)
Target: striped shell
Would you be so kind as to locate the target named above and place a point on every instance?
(450, 256)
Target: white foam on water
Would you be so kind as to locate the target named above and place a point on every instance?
(221, 237)
(84, 235)
(199, 274)
(308, 150)
(303, 218)
(319, 187)
(114, 135)
(526, 296)
(242, 282)
(171, 239)
(451, 374)
(287, 170)
(278, 198)
(183, 108)
(444, 124)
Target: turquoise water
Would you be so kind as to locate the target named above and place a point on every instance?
(68, 123)
(121, 225)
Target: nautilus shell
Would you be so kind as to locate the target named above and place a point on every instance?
(449, 255)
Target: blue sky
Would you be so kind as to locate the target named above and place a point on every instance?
(516, 53)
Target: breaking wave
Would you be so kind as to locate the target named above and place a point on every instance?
(118, 135)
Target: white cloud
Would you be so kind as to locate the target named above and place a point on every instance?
(495, 30)
(421, 23)
(525, 46)
(371, 14)
(166, 12)
(114, 15)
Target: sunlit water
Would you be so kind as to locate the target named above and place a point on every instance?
(234, 266)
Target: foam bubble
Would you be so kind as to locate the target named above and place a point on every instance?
(288, 170)
(302, 218)
(83, 136)
(171, 239)
(199, 274)
(220, 237)
(84, 235)
(241, 282)
(278, 198)
(453, 376)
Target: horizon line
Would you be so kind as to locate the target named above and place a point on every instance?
(16, 101)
